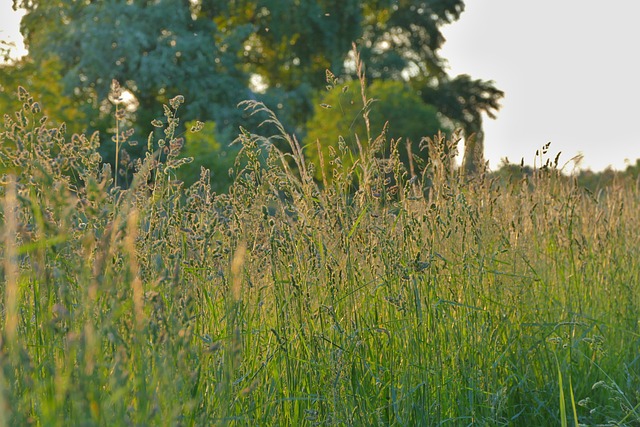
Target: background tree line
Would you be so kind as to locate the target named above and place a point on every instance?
(218, 53)
(594, 182)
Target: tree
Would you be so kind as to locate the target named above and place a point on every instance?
(217, 53)
(464, 100)
(293, 43)
(398, 40)
(156, 49)
(43, 81)
(401, 40)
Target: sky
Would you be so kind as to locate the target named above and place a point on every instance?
(570, 70)
(10, 26)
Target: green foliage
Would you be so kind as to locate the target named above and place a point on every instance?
(209, 51)
(201, 145)
(596, 183)
(404, 36)
(294, 42)
(464, 101)
(608, 178)
(286, 303)
(292, 46)
(394, 111)
(44, 82)
(132, 42)
(403, 39)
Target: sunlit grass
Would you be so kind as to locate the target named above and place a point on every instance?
(438, 300)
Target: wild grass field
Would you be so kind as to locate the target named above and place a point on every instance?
(370, 298)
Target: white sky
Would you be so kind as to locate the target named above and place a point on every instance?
(570, 70)
(10, 26)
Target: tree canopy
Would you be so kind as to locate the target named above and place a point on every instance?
(156, 49)
(217, 53)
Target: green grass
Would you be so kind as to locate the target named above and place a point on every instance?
(434, 301)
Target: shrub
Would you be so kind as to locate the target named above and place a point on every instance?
(394, 111)
(206, 152)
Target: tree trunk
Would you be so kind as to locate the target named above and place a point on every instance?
(473, 160)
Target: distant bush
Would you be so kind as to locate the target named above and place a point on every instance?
(206, 153)
(596, 181)
(338, 123)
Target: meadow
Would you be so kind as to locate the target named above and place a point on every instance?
(369, 297)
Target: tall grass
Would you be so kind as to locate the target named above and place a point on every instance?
(428, 300)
